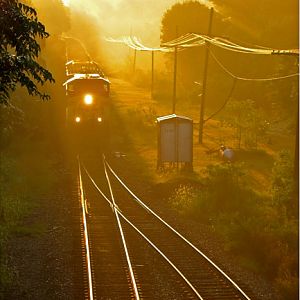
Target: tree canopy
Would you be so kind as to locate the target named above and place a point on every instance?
(20, 30)
(248, 24)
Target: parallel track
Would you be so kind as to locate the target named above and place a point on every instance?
(141, 271)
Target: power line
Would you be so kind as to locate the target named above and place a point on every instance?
(225, 102)
(135, 43)
(190, 40)
(194, 40)
(249, 79)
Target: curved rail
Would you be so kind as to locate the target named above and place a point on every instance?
(116, 212)
(119, 212)
(177, 233)
(163, 255)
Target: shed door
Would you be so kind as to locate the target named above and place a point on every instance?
(168, 142)
(185, 141)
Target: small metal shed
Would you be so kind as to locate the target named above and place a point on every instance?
(175, 140)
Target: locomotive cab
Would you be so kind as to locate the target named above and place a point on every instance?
(87, 97)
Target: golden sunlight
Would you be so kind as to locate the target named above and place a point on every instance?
(66, 2)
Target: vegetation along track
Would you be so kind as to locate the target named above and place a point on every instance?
(123, 266)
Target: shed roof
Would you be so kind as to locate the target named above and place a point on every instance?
(171, 117)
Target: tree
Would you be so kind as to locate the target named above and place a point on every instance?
(19, 50)
(272, 23)
(247, 120)
(182, 18)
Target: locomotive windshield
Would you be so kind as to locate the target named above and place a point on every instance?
(83, 86)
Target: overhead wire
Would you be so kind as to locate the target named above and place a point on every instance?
(249, 79)
(135, 43)
(235, 81)
(194, 40)
(225, 102)
(189, 40)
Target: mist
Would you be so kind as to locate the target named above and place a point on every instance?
(121, 18)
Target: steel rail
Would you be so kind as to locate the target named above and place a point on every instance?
(118, 211)
(133, 281)
(177, 233)
(86, 236)
(163, 255)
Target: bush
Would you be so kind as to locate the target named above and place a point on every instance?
(284, 191)
(260, 230)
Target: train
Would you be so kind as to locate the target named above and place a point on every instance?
(87, 93)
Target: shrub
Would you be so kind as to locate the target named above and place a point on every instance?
(260, 230)
(284, 192)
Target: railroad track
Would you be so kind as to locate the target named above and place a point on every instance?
(132, 253)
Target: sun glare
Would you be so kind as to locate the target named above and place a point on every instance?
(66, 2)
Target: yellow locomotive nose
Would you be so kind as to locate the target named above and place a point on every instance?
(88, 99)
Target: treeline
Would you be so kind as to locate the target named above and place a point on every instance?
(271, 24)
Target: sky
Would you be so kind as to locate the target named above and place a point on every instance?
(125, 17)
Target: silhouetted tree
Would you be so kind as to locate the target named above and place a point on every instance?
(274, 22)
(189, 17)
(19, 50)
(271, 23)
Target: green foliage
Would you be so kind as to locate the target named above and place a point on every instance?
(219, 193)
(274, 21)
(20, 193)
(257, 228)
(182, 18)
(247, 120)
(19, 49)
(248, 24)
(224, 180)
(10, 212)
(184, 199)
(186, 17)
(283, 184)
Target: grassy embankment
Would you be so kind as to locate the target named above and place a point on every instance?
(27, 175)
(252, 203)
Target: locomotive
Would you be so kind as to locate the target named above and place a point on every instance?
(87, 93)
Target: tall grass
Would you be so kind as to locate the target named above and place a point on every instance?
(261, 232)
(24, 178)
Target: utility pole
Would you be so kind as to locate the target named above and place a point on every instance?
(152, 73)
(175, 75)
(174, 80)
(134, 61)
(202, 107)
(296, 157)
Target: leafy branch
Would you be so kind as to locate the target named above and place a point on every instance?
(19, 50)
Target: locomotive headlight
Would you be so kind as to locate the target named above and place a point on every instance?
(88, 99)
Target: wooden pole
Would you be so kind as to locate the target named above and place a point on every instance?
(296, 154)
(134, 60)
(152, 73)
(174, 81)
(202, 106)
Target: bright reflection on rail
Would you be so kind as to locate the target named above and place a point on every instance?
(177, 233)
(86, 236)
(133, 281)
(118, 212)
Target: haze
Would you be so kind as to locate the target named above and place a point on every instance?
(123, 17)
